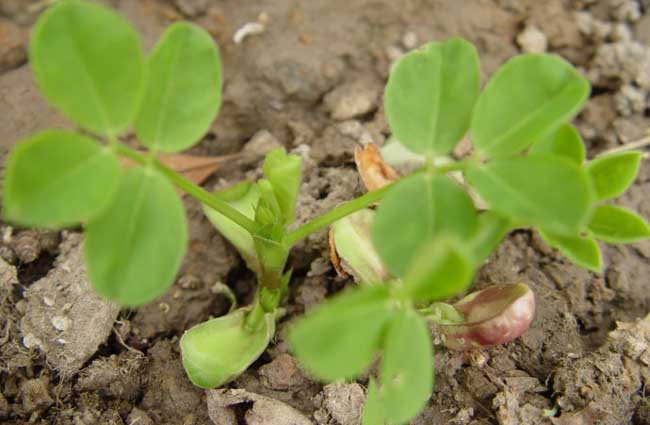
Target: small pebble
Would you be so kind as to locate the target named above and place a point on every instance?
(532, 40)
(60, 323)
(8, 254)
(352, 100)
(7, 234)
(26, 245)
(30, 341)
(410, 40)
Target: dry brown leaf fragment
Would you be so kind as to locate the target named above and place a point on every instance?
(374, 171)
(194, 167)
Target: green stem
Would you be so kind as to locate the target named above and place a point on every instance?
(455, 166)
(187, 186)
(337, 213)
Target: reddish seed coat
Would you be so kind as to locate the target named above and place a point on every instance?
(495, 315)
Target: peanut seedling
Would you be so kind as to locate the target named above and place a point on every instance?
(421, 247)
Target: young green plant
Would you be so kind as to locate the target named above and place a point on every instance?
(528, 168)
(89, 63)
(426, 239)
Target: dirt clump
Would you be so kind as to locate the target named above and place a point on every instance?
(64, 318)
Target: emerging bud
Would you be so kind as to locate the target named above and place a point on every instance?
(217, 351)
(495, 315)
(352, 251)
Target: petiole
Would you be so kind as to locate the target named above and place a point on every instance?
(188, 186)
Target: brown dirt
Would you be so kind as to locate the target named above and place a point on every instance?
(313, 82)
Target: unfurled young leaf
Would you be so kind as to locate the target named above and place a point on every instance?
(582, 251)
(284, 173)
(615, 224)
(526, 100)
(135, 247)
(565, 142)
(416, 210)
(244, 198)
(217, 351)
(406, 367)
(57, 179)
(268, 212)
(612, 174)
(183, 90)
(89, 63)
(541, 190)
(430, 95)
(339, 339)
(440, 270)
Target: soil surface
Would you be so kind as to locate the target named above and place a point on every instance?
(312, 81)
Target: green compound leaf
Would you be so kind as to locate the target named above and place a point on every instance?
(440, 270)
(373, 411)
(582, 251)
(135, 248)
(244, 198)
(283, 171)
(613, 174)
(417, 209)
(615, 224)
(89, 63)
(406, 367)
(339, 339)
(430, 95)
(183, 92)
(526, 100)
(565, 142)
(57, 179)
(217, 351)
(542, 190)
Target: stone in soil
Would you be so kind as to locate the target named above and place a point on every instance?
(353, 99)
(224, 404)
(532, 40)
(342, 404)
(64, 318)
